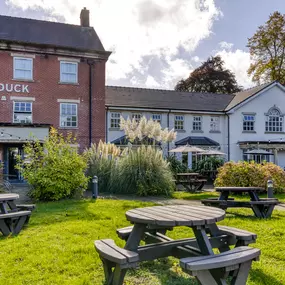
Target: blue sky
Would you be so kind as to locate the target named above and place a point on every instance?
(155, 43)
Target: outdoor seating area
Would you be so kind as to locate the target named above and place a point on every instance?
(191, 182)
(196, 254)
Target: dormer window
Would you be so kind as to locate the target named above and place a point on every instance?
(274, 120)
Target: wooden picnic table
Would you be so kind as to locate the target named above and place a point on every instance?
(150, 225)
(192, 182)
(262, 207)
(12, 216)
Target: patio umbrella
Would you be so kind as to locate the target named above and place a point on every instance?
(212, 152)
(187, 148)
(259, 151)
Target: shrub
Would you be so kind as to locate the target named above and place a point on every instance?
(245, 174)
(101, 162)
(143, 171)
(176, 165)
(54, 169)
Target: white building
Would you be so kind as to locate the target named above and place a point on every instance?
(246, 125)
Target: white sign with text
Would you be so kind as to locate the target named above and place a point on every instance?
(18, 88)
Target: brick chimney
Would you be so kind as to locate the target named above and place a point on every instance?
(84, 18)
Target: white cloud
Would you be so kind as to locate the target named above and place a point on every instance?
(132, 29)
(151, 82)
(225, 45)
(238, 61)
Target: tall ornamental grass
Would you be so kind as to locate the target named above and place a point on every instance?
(144, 172)
(102, 160)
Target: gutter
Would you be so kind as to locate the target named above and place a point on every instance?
(91, 64)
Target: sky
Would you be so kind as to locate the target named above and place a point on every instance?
(155, 43)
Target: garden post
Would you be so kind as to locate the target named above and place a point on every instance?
(94, 187)
(270, 188)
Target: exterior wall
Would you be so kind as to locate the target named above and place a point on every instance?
(46, 90)
(258, 105)
(219, 137)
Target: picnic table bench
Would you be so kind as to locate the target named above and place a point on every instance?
(192, 182)
(262, 207)
(12, 216)
(151, 225)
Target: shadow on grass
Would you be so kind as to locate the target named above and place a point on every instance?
(258, 277)
(164, 269)
(251, 216)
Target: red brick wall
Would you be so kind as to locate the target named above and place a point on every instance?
(46, 89)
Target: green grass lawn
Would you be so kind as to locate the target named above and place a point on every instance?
(57, 246)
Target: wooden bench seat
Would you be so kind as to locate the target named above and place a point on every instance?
(215, 269)
(243, 237)
(12, 223)
(115, 257)
(27, 207)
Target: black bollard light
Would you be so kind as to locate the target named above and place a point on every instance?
(270, 189)
(95, 187)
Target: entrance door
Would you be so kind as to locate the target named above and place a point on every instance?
(11, 153)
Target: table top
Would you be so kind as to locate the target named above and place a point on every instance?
(8, 197)
(176, 215)
(239, 189)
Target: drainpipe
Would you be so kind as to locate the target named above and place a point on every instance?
(168, 147)
(91, 64)
(229, 151)
(106, 124)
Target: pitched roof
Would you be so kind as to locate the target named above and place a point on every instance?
(197, 141)
(165, 99)
(246, 94)
(44, 33)
(123, 140)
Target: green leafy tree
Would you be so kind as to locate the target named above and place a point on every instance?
(54, 169)
(267, 50)
(210, 77)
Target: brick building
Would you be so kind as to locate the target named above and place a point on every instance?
(52, 74)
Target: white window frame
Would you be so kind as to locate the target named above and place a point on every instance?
(15, 58)
(61, 72)
(61, 116)
(248, 124)
(274, 122)
(22, 112)
(215, 124)
(137, 117)
(197, 124)
(157, 118)
(115, 118)
(179, 122)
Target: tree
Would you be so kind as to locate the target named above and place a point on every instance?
(267, 50)
(211, 77)
(54, 169)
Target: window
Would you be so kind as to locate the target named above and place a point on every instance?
(137, 117)
(157, 118)
(115, 120)
(215, 124)
(197, 123)
(68, 115)
(274, 121)
(179, 123)
(22, 112)
(68, 72)
(23, 68)
(248, 123)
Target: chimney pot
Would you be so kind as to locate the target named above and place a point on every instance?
(84, 18)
